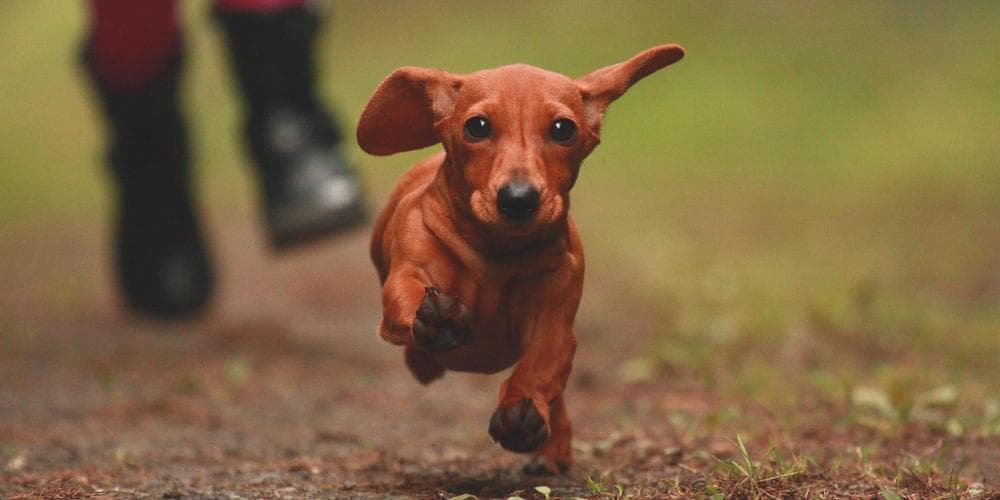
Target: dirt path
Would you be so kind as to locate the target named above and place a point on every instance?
(285, 391)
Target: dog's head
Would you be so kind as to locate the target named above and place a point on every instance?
(515, 136)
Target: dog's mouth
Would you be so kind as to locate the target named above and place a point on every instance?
(517, 221)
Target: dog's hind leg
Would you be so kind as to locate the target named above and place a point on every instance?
(422, 365)
(556, 454)
(557, 451)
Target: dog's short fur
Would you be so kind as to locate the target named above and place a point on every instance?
(481, 265)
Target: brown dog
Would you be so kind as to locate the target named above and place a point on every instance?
(480, 264)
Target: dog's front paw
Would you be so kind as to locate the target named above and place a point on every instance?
(442, 322)
(519, 427)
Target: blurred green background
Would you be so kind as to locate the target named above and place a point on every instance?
(812, 195)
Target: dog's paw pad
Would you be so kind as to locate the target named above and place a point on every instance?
(519, 427)
(442, 322)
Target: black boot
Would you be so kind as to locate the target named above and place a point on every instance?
(161, 262)
(308, 187)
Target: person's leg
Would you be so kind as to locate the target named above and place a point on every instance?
(132, 43)
(259, 6)
(133, 57)
(308, 188)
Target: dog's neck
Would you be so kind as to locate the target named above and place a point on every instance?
(454, 224)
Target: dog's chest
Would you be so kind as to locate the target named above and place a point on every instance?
(501, 294)
(495, 339)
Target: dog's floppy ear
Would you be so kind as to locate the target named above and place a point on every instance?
(609, 83)
(401, 114)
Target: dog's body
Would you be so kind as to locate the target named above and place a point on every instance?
(480, 263)
(493, 286)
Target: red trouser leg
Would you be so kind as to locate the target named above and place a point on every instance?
(132, 42)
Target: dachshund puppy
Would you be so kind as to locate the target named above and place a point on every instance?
(480, 263)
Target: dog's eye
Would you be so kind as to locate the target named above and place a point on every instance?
(477, 128)
(563, 131)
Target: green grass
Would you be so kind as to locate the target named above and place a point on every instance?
(811, 198)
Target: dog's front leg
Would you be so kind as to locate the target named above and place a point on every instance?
(531, 416)
(418, 315)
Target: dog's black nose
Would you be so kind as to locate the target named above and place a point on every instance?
(518, 200)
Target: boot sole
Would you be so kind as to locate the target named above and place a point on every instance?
(315, 227)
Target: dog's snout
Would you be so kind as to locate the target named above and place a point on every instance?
(518, 200)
